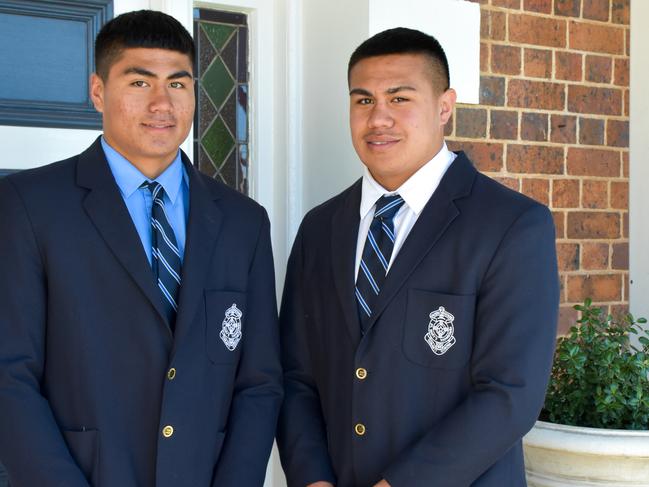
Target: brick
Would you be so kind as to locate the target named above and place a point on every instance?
(588, 99)
(540, 31)
(515, 4)
(470, 122)
(540, 6)
(538, 63)
(569, 65)
(617, 133)
(484, 57)
(567, 319)
(492, 90)
(485, 23)
(505, 59)
(625, 282)
(534, 159)
(596, 10)
(627, 102)
(620, 259)
(534, 126)
(485, 155)
(594, 256)
(511, 183)
(625, 225)
(567, 8)
(559, 218)
(568, 256)
(594, 194)
(536, 94)
(498, 26)
(599, 69)
(562, 288)
(565, 193)
(493, 25)
(593, 162)
(621, 77)
(591, 131)
(591, 224)
(563, 129)
(538, 189)
(620, 195)
(504, 125)
(619, 311)
(620, 10)
(625, 164)
(598, 287)
(596, 37)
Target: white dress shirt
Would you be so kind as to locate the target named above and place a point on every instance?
(416, 192)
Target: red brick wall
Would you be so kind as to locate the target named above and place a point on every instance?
(553, 123)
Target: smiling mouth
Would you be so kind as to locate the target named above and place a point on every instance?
(159, 125)
(382, 144)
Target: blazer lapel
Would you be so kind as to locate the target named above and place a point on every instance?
(434, 220)
(344, 234)
(203, 228)
(107, 210)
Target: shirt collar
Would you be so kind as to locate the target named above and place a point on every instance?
(416, 191)
(129, 178)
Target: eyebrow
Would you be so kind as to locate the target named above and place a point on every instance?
(149, 74)
(389, 91)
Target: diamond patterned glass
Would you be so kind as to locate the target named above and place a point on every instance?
(221, 144)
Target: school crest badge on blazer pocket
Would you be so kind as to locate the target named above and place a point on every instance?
(231, 327)
(440, 331)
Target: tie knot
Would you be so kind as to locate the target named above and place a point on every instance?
(155, 187)
(387, 207)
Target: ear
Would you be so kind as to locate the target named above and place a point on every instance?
(446, 104)
(97, 92)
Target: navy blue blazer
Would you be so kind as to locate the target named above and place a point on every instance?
(450, 418)
(86, 357)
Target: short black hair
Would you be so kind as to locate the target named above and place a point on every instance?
(401, 40)
(142, 28)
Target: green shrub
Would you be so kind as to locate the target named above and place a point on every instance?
(598, 378)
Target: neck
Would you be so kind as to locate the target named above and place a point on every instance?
(152, 169)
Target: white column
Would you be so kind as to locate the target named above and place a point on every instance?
(639, 162)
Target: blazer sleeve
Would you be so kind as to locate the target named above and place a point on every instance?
(515, 332)
(301, 435)
(32, 447)
(258, 388)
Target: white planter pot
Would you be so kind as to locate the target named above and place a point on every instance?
(569, 456)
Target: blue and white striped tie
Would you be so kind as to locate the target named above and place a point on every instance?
(166, 256)
(376, 256)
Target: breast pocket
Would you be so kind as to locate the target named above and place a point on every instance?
(438, 331)
(224, 325)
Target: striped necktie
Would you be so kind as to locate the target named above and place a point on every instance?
(376, 256)
(166, 256)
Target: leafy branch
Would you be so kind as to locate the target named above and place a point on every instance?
(599, 379)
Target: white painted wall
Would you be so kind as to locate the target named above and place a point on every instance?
(639, 162)
(455, 24)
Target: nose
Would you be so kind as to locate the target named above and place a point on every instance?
(380, 116)
(160, 100)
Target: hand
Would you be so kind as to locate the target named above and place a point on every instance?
(382, 483)
(321, 483)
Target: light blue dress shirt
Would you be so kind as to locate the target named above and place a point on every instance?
(174, 181)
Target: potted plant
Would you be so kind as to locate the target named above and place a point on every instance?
(595, 421)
